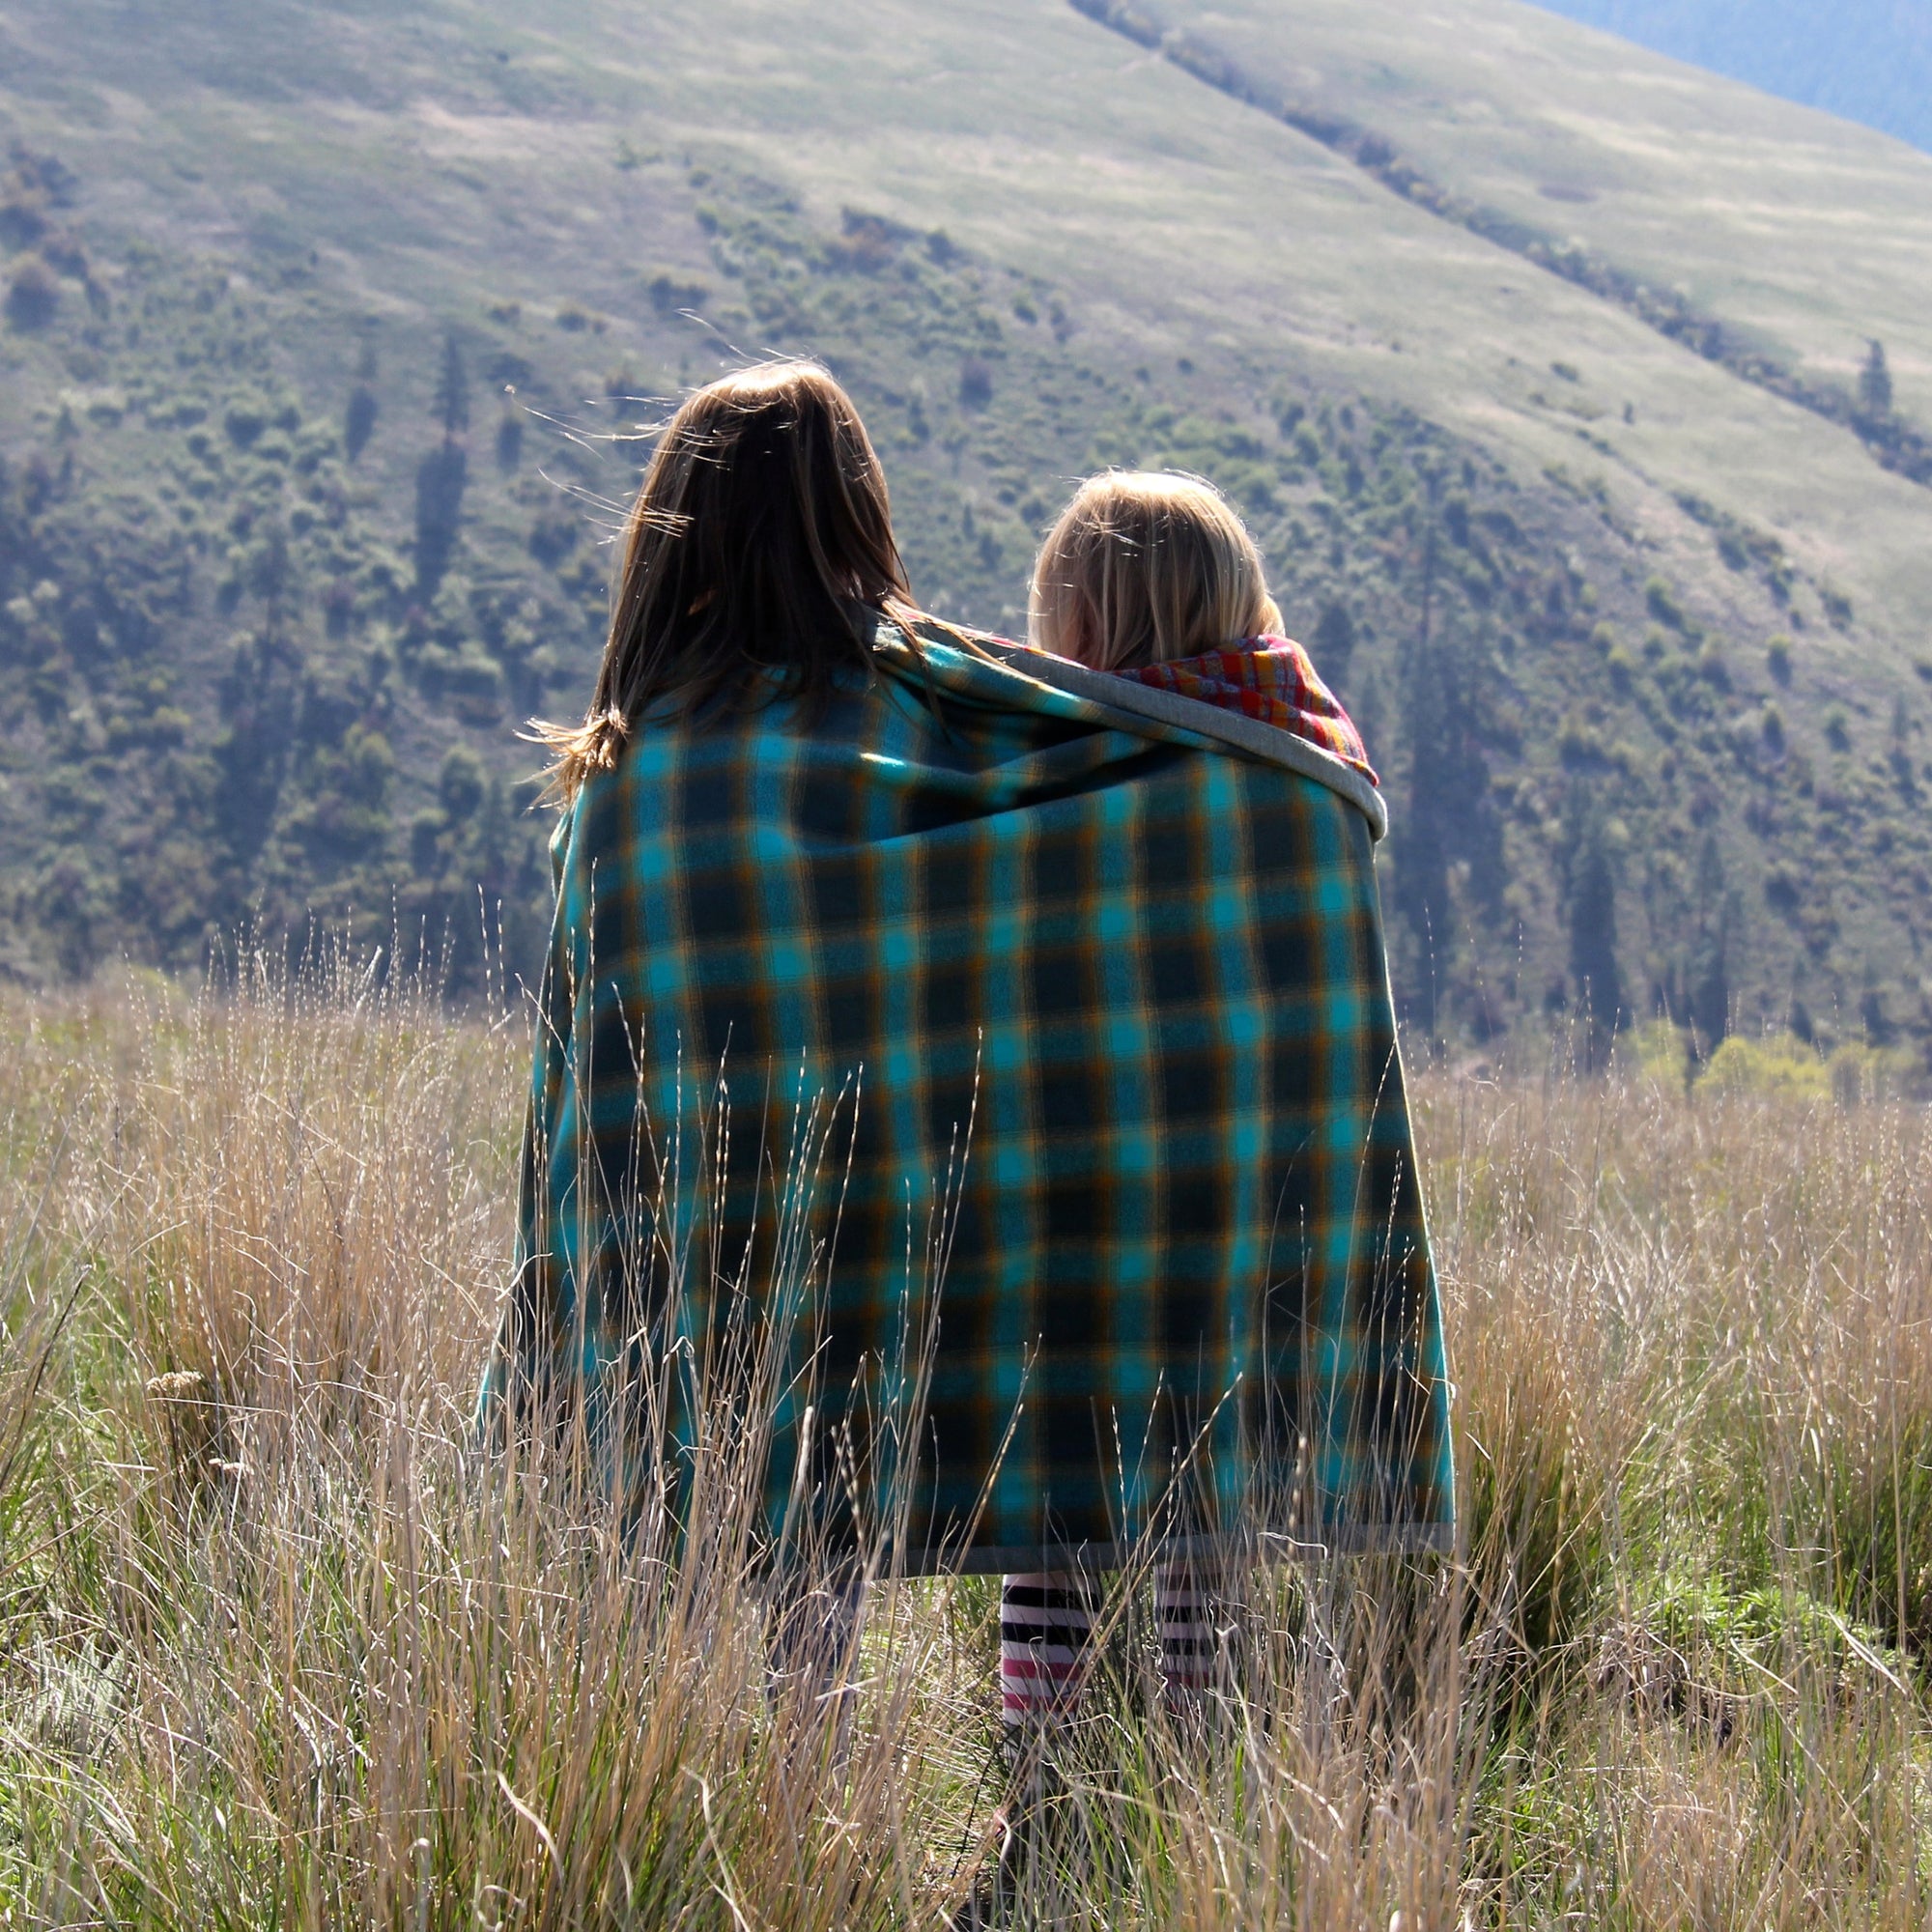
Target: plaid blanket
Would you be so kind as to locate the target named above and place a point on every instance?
(1101, 983)
(1270, 679)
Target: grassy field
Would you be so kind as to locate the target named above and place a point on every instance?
(277, 1647)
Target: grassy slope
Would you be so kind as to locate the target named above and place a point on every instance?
(1795, 224)
(389, 171)
(1027, 132)
(1810, 234)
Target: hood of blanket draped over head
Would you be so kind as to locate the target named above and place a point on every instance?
(1068, 1154)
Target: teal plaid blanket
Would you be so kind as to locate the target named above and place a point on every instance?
(1131, 942)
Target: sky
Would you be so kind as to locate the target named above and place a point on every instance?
(1864, 60)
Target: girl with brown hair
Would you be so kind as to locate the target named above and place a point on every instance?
(758, 558)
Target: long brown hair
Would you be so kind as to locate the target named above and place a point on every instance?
(1144, 567)
(761, 542)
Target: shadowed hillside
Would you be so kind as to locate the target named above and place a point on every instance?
(334, 339)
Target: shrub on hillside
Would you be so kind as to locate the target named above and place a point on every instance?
(23, 213)
(1777, 1067)
(244, 418)
(1782, 1067)
(1661, 1053)
(669, 293)
(1860, 1073)
(553, 535)
(1662, 603)
(33, 293)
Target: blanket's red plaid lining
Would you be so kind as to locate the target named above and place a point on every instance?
(1270, 679)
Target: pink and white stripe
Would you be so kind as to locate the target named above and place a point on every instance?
(1190, 1646)
(1047, 1643)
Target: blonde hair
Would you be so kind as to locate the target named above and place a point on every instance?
(1144, 567)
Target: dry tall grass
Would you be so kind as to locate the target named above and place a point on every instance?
(277, 1647)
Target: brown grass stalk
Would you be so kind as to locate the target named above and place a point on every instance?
(281, 1644)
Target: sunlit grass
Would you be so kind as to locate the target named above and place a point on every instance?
(278, 1646)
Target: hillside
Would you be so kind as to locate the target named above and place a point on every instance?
(1631, 611)
(1869, 61)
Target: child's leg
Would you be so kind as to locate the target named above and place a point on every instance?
(1047, 1644)
(1184, 1610)
(811, 1648)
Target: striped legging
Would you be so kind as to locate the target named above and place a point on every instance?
(1047, 1640)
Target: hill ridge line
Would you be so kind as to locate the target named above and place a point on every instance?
(1892, 442)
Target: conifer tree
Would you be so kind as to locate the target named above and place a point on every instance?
(1875, 382)
(271, 573)
(452, 391)
(442, 475)
(1450, 819)
(1592, 894)
(510, 433)
(1710, 976)
(1334, 642)
(359, 422)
